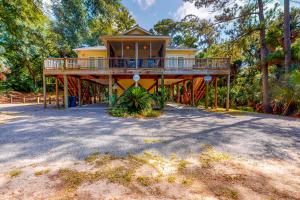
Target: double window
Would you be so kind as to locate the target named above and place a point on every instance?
(95, 63)
(180, 62)
(176, 62)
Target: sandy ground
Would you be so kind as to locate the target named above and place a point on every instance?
(264, 151)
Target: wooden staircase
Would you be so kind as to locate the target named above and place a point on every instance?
(199, 90)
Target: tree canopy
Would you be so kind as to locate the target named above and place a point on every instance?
(28, 35)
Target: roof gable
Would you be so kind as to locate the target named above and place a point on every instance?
(136, 30)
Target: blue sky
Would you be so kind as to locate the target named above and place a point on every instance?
(149, 12)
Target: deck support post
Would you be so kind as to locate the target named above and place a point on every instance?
(228, 91)
(79, 91)
(99, 93)
(192, 93)
(44, 91)
(94, 92)
(206, 94)
(162, 87)
(110, 93)
(66, 101)
(178, 93)
(56, 92)
(171, 91)
(216, 93)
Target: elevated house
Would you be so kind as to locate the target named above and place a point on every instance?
(135, 52)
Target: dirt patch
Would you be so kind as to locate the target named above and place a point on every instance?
(210, 175)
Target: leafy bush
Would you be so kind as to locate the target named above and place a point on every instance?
(151, 113)
(135, 100)
(285, 93)
(117, 112)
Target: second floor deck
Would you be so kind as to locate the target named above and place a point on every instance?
(141, 65)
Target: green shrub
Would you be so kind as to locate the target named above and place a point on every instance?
(118, 112)
(151, 113)
(135, 100)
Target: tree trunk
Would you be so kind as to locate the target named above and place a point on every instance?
(287, 36)
(263, 57)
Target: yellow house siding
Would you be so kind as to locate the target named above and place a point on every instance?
(126, 83)
(92, 53)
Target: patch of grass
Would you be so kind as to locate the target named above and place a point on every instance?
(33, 165)
(15, 173)
(148, 180)
(181, 165)
(118, 112)
(91, 158)
(171, 179)
(150, 141)
(210, 156)
(227, 193)
(71, 178)
(41, 172)
(119, 175)
(151, 113)
(104, 159)
(173, 156)
(186, 181)
(144, 180)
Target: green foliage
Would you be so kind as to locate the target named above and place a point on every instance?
(286, 93)
(160, 98)
(28, 35)
(135, 100)
(118, 112)
(189, 32)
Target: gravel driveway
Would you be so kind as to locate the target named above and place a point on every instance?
(52, 135)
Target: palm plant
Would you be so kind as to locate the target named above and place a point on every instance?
(286, 92)
(135, 100)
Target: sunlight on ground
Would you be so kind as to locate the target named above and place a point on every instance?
(208, 175)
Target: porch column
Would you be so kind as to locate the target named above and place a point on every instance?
(66, 92)
(44, 91)
(94, 93)
(150, 48)
(172, 91)
(178, 93)
(228, 91)
(79, 91)
(216, 93)
(192, 93)
(122, 50)
(206, 94)
(110, 93)
(162, 87)
(56, 92)
(136, 54)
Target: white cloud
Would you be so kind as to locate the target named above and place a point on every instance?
(187, 8)
(144, 4)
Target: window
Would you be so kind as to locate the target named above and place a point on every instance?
(171, 62)
(100, 62)
(91, 62)
(180, 62)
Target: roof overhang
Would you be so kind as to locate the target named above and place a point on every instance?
(128, 38)
(96, 48)
(183, 49)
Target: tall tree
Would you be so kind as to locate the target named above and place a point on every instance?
(191, 31)
(287, 36)
(25, 41)
(263, 57)
(81, 22)
(242, 19)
